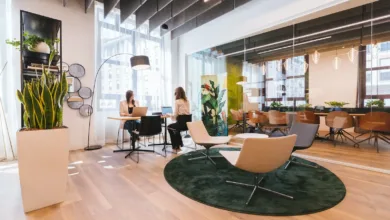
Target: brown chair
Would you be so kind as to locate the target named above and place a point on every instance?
(376, 123)
(307, 117)
(238, 117)
(338, 121)
(277, 122)
(257, 120)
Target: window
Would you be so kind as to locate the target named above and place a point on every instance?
(383, 76)
(377, 73)
(116, 76)
(285, 81)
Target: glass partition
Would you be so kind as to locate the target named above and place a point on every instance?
(339, 62)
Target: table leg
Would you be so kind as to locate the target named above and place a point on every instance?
(244, 122)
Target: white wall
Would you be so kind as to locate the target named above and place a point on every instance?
(78, 46)
(328, 84)
(253, 18)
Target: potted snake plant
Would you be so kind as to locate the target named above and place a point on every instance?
(43, 144)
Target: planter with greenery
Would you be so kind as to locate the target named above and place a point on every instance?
(36, 49)
(304, 107)
(336, 104)
(375, 104)
(43, 144)
(275, 105)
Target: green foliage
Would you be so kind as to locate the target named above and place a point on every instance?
(276, 104)
(304, 106)
(336, 104)
(42, 99)
(376, 103)
(213, 115)
(31, 40)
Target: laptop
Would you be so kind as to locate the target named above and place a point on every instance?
(139, 111)
(166, 110)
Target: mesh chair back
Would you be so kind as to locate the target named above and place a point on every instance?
(236, 115)
(277, 118)
(375, 121)
(150, 125)
(159, 113)
(306, 133)
(182, 121)
(307, 117)
(331, 119)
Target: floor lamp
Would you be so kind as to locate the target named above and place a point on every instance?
(137, 63)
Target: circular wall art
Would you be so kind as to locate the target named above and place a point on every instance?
(85, 92)
(76, 70)
(75, 102)
(86, 110)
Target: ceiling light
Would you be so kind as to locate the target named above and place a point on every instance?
(310, 35)
(352, 55)
(336, 62)
(263, 68)
(316, 57)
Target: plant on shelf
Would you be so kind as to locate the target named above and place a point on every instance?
(34, 43)
(213, 104)
(304, 106)
(375, 103)
(335, 104)
(275, 105)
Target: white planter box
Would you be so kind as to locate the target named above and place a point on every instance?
(43, 166)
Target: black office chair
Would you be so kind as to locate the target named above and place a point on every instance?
(149, 127)
(306, 133)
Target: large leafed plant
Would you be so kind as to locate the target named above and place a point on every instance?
(213, 104)
(42, 99)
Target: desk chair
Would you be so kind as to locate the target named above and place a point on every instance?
(201, 137)
(307, 117)
(306, 133)
(261, 156)
(376, 123)
(237, 116)
(257, 120)
(149, 127)
(277, 122)
(338, 121)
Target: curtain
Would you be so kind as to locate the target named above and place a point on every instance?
(152, 88)
(207, 62)
(9, 83)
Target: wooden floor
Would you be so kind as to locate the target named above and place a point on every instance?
(105, 186)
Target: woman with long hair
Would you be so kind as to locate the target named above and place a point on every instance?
(182, 107)
(126, 109)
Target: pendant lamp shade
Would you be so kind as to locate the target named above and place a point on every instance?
(140, 62)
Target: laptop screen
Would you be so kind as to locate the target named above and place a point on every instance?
(166, 110)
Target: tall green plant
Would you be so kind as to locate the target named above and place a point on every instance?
(42, 99)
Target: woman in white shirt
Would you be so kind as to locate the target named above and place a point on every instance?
(182, 107)
(126, 109)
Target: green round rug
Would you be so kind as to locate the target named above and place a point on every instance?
(314, 190)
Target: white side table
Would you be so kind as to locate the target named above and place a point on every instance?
(251, 135)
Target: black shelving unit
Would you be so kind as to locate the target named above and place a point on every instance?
(44, 27)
